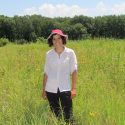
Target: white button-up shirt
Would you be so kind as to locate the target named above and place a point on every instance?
(58, 69)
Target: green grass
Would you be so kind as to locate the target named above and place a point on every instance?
(100, 89)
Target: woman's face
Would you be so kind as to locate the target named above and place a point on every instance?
(57, 41)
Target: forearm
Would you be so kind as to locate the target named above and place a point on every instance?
(74, 79)
(44, 81)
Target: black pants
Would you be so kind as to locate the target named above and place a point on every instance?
(61, 103)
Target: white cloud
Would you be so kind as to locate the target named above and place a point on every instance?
(64, 10)
(30, 11)
(51, 10)
(101, 8)
(118, 8)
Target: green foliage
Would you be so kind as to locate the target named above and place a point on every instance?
(32, 37)
(21, 41)
(24, 28)
(109, 26)
(41, 40)
(87, 22)
(7, 28)
(3, 41)
(78, 27)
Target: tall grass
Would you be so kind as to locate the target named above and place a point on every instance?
(100, 87)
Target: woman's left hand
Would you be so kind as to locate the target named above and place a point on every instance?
(73, 93)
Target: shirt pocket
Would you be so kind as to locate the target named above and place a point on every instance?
(65, 62)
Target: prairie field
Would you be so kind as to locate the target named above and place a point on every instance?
(100, 96)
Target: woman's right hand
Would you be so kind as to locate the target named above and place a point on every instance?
(44, 95)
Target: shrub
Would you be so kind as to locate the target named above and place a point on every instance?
(21, 41)
(41, 40)
(3, 41)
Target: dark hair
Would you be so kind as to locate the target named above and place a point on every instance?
(50, 42)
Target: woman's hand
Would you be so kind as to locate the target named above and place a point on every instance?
(73, 93)
(44, 95)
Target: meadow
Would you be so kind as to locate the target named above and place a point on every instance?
(100, 96)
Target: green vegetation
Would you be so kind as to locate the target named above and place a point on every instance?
(3, 41)
(28, 28)
(100, 90)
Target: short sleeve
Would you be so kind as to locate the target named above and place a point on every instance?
(73, 62)
(46, 66)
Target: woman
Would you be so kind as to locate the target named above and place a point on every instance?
(60, 63)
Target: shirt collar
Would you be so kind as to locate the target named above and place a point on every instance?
(62, 51)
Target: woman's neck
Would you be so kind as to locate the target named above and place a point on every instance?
(59, 50)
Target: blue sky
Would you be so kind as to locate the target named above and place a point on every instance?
(62, 8)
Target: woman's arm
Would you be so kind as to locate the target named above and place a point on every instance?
(74, 80)
(44, 85)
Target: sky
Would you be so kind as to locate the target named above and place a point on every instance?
(62, 8)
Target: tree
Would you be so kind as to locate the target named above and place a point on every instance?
(87, 22)
(24, 27)
(7, 28)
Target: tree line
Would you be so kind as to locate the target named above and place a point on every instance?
(30, 28)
